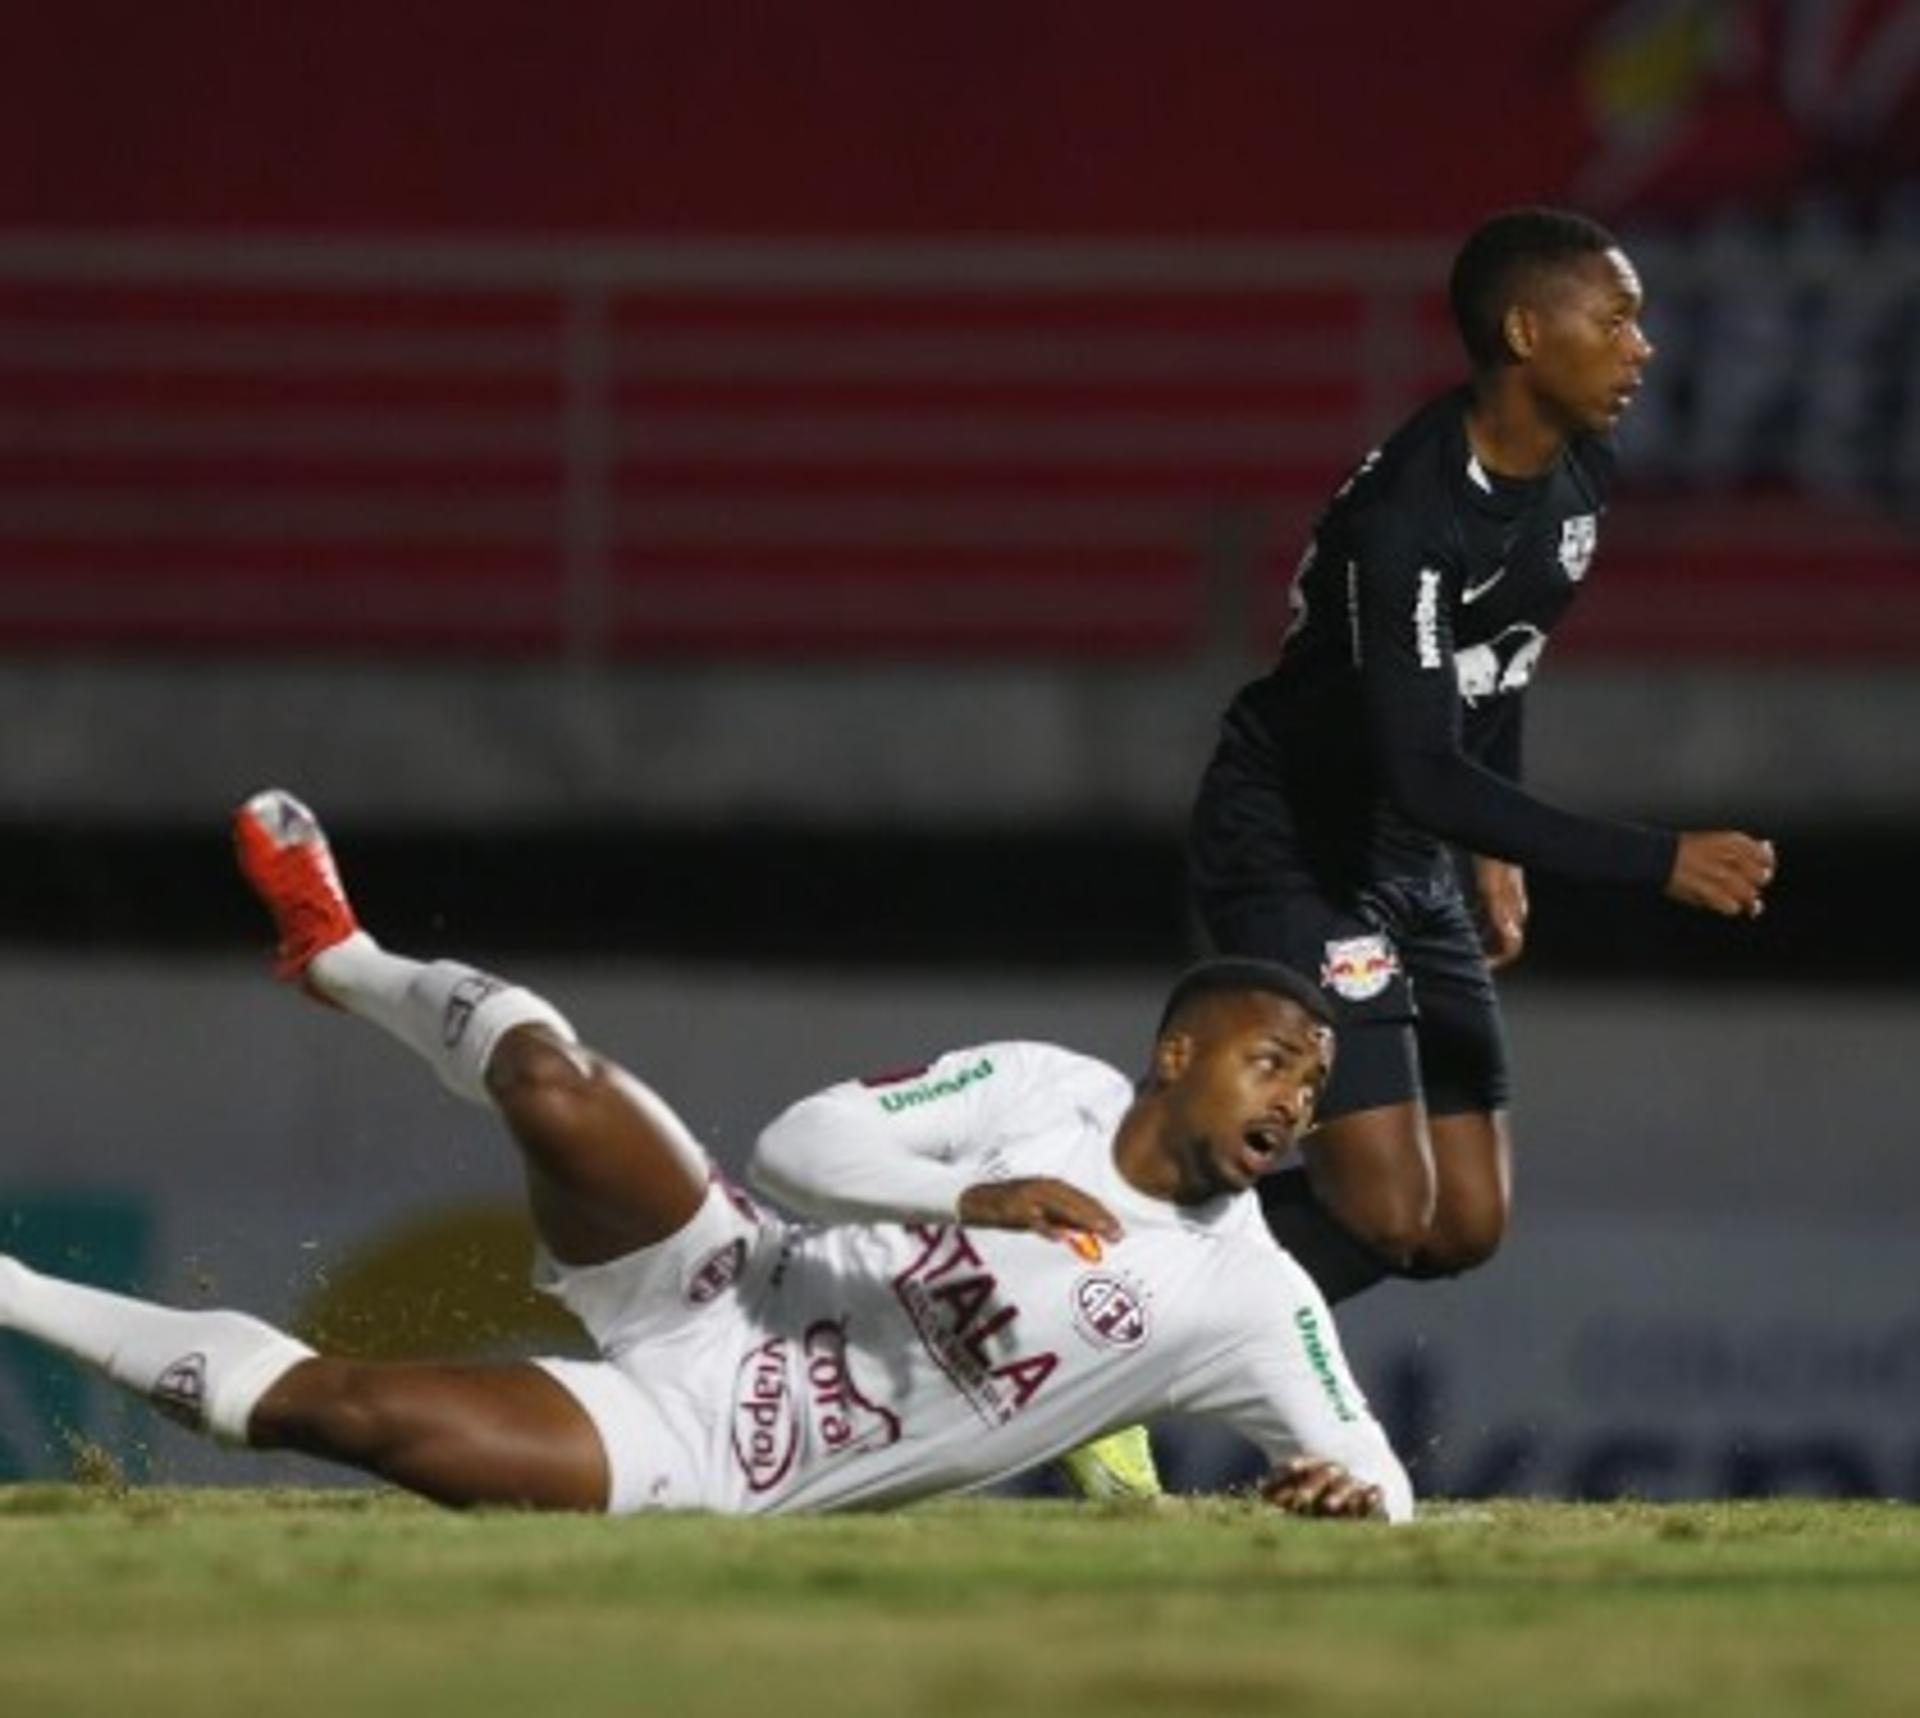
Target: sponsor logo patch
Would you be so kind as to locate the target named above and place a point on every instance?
(1358, 968)
(931, 1091)
(787, 1392)
(1109, 1311)
(1308, 1324)
(844, 1422)
(717, 1272)
(766, 1420)
(968, 1327)
(1426, 618)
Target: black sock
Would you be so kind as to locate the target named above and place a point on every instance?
(1341, 1266)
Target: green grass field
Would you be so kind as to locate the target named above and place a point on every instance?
(161, 1602)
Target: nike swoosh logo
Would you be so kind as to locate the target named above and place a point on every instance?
(1473, 593)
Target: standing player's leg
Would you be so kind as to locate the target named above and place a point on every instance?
(1363, 1199)
(1406, 1172)
(1465, 1085)
(1364, 1193)
(1473, 1174)
(1393, 1191)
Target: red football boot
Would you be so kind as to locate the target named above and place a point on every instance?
(284, 857)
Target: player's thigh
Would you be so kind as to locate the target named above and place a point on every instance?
(610, 1167)
(1473, 1177)
(1462, 1043)
(1459, 1031)
(1372, 1168)
(1369, 1158)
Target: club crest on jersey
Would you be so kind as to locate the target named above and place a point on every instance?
(1578, 537)
(1109, 1311)
(1359, 968)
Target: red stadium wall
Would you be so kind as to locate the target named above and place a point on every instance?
(283, 448)
(1219, 117)
(857, 116)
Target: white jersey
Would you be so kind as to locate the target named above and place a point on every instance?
(887, 1360)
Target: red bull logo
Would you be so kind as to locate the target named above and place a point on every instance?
(1358, 968)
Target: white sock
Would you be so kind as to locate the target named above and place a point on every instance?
(207, 1370)
(450, 1014)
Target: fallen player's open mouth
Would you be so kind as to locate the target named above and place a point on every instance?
(1266, 1140)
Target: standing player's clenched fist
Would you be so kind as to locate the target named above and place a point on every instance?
(1722, 871)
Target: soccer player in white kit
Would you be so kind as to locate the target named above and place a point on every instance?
(1016, 1250)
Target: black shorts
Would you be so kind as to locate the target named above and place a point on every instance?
(1400, 956)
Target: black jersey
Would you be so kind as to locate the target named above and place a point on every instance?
(1421, 608)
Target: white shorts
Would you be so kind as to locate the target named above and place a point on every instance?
(672, 1325)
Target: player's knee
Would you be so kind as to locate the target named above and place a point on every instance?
(341, 1411)
(1463, 1243)
(1391, 1221)
(535, 1078)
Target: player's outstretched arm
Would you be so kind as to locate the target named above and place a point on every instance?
(1722, 871)
(909, 1146)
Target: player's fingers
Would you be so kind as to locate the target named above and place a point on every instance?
(1300, 1486)
(1351, 1498)
(1069, 1208)
(1364, 1503)
(1721, 889)
(1505, 943)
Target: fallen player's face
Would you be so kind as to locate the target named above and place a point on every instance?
(1259, 1065)
(1590, 350)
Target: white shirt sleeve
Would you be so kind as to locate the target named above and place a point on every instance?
(1280, 1378)
(903, 1146)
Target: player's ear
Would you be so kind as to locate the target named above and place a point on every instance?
(1172, 1054)
(1521, 331)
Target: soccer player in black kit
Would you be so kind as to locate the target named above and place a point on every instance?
(1389, 736)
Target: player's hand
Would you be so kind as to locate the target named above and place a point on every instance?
(1722, 871)
(1313, 1485)
(1503, 909)
(1037, 1203)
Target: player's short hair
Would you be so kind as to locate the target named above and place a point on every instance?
(1238, 976)
(1500, 259)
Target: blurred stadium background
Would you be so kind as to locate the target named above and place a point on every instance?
(748, 515)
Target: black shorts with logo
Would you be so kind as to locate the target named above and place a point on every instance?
(1400, 956)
